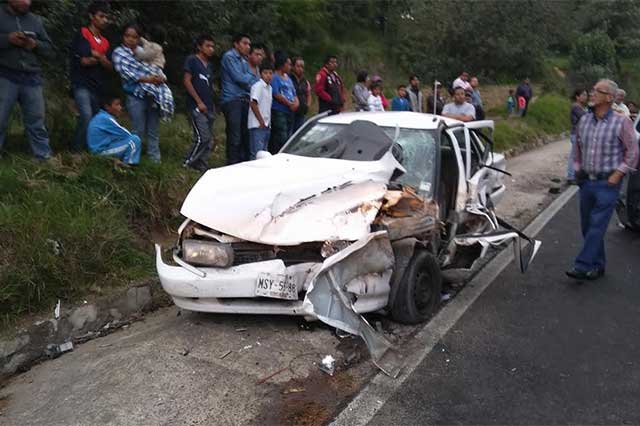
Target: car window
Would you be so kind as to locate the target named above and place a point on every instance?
(418, 151)
(419, 156)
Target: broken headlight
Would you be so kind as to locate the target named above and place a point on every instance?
(205, 253)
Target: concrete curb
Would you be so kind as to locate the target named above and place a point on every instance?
(50, 338)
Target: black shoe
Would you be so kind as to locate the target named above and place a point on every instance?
(594, 274)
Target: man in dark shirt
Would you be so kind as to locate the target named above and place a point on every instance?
(303, 89)
(23, 40)
(89, 63)
(439, 100)
(198, 79)
(524, 90)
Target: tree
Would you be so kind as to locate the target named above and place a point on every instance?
(593, 57)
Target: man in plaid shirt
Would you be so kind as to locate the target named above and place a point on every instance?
(606, 149)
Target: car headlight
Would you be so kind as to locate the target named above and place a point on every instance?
(205, 253)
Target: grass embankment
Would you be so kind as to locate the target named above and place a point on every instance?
(547, 115)
(81, 225)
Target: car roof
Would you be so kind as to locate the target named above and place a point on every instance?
(404, 119)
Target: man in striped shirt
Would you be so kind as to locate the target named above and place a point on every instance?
(606, 149)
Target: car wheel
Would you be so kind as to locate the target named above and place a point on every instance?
(419, 292)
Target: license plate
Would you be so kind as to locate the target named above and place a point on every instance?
(277, 286)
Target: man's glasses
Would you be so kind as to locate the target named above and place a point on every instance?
(604, 92)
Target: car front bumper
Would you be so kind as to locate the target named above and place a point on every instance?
(232, 290)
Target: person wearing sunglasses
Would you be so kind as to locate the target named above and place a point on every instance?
(605, 150)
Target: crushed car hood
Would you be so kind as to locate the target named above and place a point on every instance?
(288, 199)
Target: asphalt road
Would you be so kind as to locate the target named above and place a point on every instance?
(538, 348)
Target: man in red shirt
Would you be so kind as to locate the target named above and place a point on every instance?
(329, 87)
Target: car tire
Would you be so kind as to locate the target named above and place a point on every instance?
(419, 291)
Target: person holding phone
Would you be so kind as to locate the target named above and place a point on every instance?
(23, 41)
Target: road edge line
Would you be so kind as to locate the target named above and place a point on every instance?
(366, 404)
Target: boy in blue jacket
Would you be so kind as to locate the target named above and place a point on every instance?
(106, 137)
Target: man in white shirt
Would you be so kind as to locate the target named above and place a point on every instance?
(459, 109)
(462, 81)
(259, 119)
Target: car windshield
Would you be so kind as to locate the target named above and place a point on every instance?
(418, 151)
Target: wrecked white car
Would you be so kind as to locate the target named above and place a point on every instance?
(358, 212)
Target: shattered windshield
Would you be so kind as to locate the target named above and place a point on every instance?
(418, 150)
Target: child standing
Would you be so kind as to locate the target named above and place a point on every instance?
(522, 105)
(511, 102)
(400, 102)
(259, 120)
(375, 101)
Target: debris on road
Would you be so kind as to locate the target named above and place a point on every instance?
(293, 390)
(328, 365)
(241, 329)
(263, 380)
(56, 311)
(224, 355)
(54, 351)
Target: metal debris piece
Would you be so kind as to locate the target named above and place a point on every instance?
(328, 365)
(293, 390)
(56, 311)
(224, 355)
(66, 347)
(241, 329)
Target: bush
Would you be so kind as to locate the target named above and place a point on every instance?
(549, 114)
(593, 57)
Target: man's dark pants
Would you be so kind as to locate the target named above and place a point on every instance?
(281, 129)
(198, 155)
(88, 105)
(597, 202)
(236, 113)
(298, 121)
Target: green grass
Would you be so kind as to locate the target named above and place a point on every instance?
(548, 115)
(79, 224)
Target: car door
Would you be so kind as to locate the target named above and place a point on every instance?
(482, 156)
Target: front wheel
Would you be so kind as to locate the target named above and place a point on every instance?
(419, 292)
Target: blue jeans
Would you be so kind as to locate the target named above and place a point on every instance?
(571, 174)
(31, 102)
(87, 104)
(597, 202)
(145, 116)
(236, 114)
(258, 141)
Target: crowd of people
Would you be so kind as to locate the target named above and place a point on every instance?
(264, 97)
